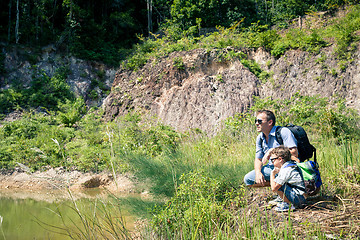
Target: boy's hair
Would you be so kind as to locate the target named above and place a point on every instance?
(269, 115)
(283, 152)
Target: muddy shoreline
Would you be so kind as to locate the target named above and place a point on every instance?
(57, 183)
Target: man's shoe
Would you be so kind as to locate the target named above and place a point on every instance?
(284, 207)
(275, 201)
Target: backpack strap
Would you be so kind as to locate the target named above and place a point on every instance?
(278, 135)
(290, 164)
(314, 151)
(293, 164)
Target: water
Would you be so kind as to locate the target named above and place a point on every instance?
(46, 215)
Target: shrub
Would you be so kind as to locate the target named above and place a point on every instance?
(179, 63)
(328, 119)
(71, 112)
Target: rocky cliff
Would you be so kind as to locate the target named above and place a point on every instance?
(197, 89)
(87, 79)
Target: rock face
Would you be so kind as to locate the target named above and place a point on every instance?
(84, 77)
(199, 89)
(199, 93)
(196, 89)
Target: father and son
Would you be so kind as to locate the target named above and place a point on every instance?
(274, 164)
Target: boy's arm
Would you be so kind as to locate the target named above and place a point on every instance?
(274, 185)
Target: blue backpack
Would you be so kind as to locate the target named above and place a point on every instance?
(311, 175)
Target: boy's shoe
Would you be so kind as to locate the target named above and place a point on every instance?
(284, 207)
(275, 201)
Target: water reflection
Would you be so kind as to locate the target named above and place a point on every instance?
(46, 215)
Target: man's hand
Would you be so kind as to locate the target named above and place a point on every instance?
(259, 178)
(266, 157)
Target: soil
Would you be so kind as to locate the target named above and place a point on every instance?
(335, 217)
(56, 183)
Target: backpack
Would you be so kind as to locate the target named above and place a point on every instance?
(305, 149)
(309, 170)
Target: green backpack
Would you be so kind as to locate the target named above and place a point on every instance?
(311, 175)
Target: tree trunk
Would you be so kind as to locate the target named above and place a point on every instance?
(9, 28)
(149, 8)
(17, 37)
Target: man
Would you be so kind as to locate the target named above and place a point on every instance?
(266, 140)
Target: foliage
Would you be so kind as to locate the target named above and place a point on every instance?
(29, 141)
(186, 13)
(71, 112)
(199, 207)
(344, 30)
(299, 39)
(179, 63)
(44, 91)
(327, 119)
(2, 67)
(73, 24)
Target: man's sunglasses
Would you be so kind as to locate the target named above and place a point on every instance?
(259, 121)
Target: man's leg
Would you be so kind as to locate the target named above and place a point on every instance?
(249, 178)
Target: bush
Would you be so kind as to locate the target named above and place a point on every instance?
(71, 112)
(327, 119)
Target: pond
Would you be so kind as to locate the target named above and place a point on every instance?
(49, 215)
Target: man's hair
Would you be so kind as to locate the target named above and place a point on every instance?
(269, 115)
(283, 152)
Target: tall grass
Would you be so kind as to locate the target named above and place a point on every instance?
(199, 178)
(99, 219)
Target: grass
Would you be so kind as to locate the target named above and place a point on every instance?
(198, 179)
(253, 220)
(204, 198)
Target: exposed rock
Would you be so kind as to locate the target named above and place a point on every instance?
(201, 95)
(206, 89)
(21, 63)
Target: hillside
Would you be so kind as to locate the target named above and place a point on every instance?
(200, 88)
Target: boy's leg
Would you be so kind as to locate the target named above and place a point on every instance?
(282, 196)
(292, 196)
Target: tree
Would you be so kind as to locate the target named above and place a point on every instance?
(17, 36)
(211, 12)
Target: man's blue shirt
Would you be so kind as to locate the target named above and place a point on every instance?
(262, 146)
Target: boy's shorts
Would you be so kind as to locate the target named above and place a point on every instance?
(296, 199)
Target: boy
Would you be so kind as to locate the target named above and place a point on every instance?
(286, 180)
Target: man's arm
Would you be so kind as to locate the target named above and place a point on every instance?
(259, 177)
(294, 154)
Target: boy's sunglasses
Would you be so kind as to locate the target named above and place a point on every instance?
(258, 121)
(273, 159)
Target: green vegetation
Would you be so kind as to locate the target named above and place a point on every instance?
(200, 177)
(43, 92)
(340, 32)
(72, 24)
